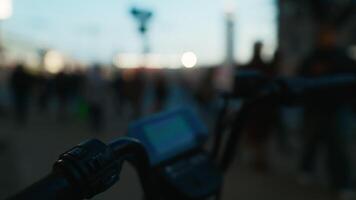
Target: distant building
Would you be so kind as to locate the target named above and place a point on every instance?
(297, 26)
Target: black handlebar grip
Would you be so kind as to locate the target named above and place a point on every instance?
(80, 173)
(53, 186)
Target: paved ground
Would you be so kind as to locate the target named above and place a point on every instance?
(27, 154)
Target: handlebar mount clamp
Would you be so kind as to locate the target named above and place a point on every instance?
(90, 166)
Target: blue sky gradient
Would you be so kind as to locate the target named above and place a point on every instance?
(95, 30)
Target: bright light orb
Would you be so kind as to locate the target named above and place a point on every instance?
(189, 59)
(54, 62)
(5, 9)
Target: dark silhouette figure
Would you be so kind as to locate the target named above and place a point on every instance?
(21, 83)
(160, 91)
(96, 91)
(205, 92)
(45, 91)
(118, 90)
(62, 84)
(134, 89)
(325, 121)
(274, 69)
(262, 119)
(76, 82)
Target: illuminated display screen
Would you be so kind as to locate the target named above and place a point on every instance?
(170, 136)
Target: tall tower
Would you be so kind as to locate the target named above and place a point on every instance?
(224, 77)
(230, 38)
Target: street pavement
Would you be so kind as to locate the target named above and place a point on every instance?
(27, 154)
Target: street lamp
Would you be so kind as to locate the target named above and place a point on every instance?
(143, 17)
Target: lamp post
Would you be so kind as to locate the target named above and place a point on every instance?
(143, 17)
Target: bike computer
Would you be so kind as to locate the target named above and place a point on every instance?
(169, 134)
(180, 166)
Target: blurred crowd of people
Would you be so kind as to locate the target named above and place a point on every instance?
(327, 124)
(84, 93)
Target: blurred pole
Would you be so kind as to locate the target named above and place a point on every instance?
(143, 17)
(42, 53)
(224, 77)
(146, 45)
(230, 38)
(229, 17)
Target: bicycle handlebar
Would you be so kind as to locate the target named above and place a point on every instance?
(294, 90)
(89, 169)
(53, 186)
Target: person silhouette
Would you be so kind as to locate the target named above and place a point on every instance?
(325, 122)
(21, 83)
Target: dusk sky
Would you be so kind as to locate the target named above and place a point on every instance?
(95, 30)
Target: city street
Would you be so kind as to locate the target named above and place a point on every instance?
(27, 154)
(71, 71)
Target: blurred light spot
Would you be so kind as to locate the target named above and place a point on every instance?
(189, 59)
(154, 61)
(54, 62)
(126, 60)
(5, 9)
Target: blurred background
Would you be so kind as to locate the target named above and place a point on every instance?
(72, 70)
